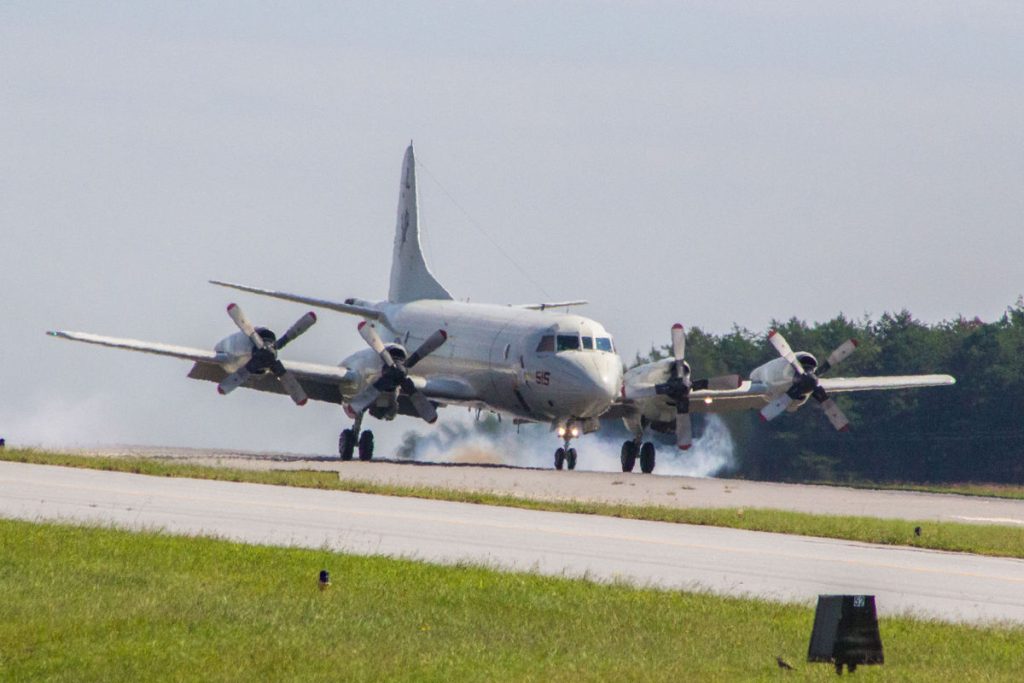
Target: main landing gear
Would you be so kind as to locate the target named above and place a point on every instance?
(631, 450)
(565, 456)
(352, 439)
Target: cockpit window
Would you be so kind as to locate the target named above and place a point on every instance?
(604, 344)
(547, 343)
(568, 343)
(588, 343)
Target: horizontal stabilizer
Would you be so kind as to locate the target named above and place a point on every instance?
(351, 309)
(556, 304)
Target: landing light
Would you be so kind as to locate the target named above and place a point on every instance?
(575, 431)
(561, 431)
(708, 400)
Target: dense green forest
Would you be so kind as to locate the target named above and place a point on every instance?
(973, 431)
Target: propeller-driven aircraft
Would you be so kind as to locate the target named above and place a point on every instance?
(536, 363)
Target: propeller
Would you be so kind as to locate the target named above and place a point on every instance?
(806, 382)
(680, 384)
(265, 345)
(394, 376)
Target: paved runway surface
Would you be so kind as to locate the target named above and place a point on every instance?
(949, 586)
(630, 489)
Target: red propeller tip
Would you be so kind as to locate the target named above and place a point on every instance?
(684, 448)
(845, 429)
(772, 333)
(855, 342)
(677, 326)
(230, 306)
(303, 402)
(312, 315)
(221, 391)
(763, 418)
(361, 325)
(444, 335)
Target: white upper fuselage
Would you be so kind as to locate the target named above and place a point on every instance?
(494, 349)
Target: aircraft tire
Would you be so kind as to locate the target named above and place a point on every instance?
(628, 457)
(647, 458)
(346, 444)
(559, 458)
(366, 445)
(570, 458)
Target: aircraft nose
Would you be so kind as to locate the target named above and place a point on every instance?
(596, 380)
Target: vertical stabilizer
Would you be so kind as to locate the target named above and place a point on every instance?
(411, 280)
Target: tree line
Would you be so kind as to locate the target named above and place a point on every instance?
(973, 431)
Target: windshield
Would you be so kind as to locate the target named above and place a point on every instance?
(605, 344)
(568, 343)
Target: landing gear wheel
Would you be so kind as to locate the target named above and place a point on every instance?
(570, 458)
(628, 457)
(366, 445)
(647, 458)
(346, 444)
(559, 458)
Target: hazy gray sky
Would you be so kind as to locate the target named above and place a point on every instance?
(703, 162)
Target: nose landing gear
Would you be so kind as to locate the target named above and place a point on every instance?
(565, 456)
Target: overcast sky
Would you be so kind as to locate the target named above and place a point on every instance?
(707, 162)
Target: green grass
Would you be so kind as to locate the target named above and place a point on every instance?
(1011, 491)
(1003, 541)
(91, 604)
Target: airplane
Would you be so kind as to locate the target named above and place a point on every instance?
(536, 363)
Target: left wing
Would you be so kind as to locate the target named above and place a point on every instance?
(320, 382)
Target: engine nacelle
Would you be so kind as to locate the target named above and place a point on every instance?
(236, 348)
(778, 373)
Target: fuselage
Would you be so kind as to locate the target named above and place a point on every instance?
(538, 365)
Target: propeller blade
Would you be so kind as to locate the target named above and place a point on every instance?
(290, 383)
(835, 415)
(678, 342)
(233, 381)
(244, 325)
(841, 353)
(421, 403)
(426, 348)
(370, 336)
(776, 407)
(300, 326)
(782, 346)
(684, 431)
(364, 399)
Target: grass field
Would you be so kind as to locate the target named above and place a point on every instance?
(89, 604)
(1003, 541)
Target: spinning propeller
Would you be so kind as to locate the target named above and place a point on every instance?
(680, 384)
(265, 346)
(394, 375)
(806, 382)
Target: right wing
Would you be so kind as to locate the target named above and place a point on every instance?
(333, 384)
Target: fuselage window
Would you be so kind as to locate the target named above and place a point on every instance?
(588, 343)
(604, 344)
(568, 343)
(547, 343)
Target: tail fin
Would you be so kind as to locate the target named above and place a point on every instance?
(411, 280)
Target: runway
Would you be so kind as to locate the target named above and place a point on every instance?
(948, 586)
(627, 489)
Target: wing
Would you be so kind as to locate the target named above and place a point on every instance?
(754, 395)
(321, 382)
(349, 307)
(842, 385)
